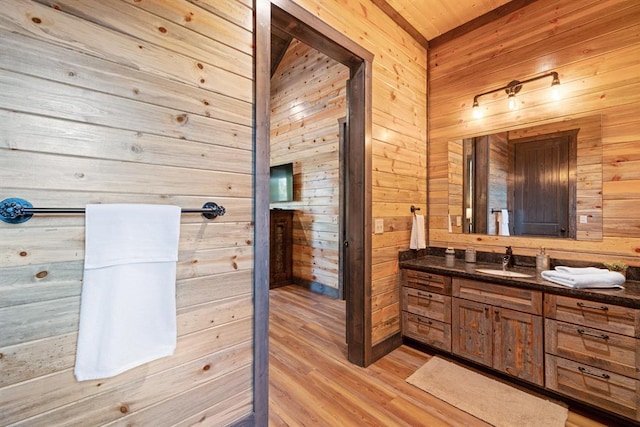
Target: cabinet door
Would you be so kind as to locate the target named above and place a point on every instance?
(607, 317)
(602, 349)
(281, 248)
(427, 304)
(518, 345)
(605, 389)
(472, 334)
(428, 331)
(428, 281)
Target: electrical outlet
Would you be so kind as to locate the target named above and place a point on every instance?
(458, 221)
(379, 226)
(583, 219)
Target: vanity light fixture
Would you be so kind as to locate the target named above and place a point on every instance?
(513, 87)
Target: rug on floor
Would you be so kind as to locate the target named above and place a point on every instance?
(490, 400)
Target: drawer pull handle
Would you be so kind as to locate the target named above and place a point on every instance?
(593, 374)
(420, 294)
(428, 277)
(426, 322)
(589, 334)
(595, 307)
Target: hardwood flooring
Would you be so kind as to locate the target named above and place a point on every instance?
(313, 384)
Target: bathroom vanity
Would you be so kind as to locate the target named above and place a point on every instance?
(580, 343)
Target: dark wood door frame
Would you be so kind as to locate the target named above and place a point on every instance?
(342, 236)
(306, 27)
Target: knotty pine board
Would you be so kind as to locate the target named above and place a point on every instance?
(103, 106)
(591, 46)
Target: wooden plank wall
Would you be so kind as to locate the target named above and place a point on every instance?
(594, 47)
(126, 102)
(398, 141)
(308, 97)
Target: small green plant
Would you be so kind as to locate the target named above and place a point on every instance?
(616, 266)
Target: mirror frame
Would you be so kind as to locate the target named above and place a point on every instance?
(588, 174)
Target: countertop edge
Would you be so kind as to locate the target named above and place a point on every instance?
(628, 297)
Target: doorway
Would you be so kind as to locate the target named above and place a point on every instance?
(543, 187)
(290, 18)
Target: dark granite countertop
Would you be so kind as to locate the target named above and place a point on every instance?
(629, 296)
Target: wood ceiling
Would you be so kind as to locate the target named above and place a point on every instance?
(428, 21)
(433, 18)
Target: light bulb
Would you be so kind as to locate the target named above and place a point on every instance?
(477, 114)
(555, 87)
(513, 102)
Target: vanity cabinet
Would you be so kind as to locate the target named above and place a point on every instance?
(500, 327)
(426, 308)
(583, 349)
(592, 351)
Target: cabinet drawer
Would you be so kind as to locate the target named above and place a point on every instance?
(428, 281)
(604, 350)
(599, 387)
(608, 317)
(427, 304)
(428, 331)
(528, 301)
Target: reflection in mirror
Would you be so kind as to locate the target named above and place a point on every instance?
(536, 182)
(520, 187)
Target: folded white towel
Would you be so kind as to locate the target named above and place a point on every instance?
(128, 304)
(581, 270)
(598, 280)
(418, 240)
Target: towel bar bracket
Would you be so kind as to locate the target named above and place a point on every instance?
(12, 210)
(210, 210)
(16, 211)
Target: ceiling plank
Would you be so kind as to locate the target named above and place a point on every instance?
(481, 20)
(402, 22)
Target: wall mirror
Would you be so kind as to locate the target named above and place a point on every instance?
(536, 181)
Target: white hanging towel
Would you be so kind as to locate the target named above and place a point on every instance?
(503, 222)
(418, 240)
(128, 302)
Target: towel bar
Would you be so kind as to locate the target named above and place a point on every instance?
(498, 210)
(414, 209)
(16, 211)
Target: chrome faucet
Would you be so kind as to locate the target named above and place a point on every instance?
(508, 259)
(505, 262)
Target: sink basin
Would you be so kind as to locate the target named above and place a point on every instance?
(502, 273)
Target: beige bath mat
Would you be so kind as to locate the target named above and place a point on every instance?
(490, 400)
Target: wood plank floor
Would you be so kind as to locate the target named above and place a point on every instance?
(313, 384)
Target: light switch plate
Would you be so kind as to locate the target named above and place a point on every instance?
(583, 219)
(458, 221)
(379, 226)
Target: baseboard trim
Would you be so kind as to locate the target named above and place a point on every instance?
(248, 421)
(385, 347)
(316, 287)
